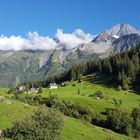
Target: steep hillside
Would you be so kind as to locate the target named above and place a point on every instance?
(24, 66)
(122, 69)
(125, 42)
(73, 129)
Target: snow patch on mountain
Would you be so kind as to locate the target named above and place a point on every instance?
(115, 36)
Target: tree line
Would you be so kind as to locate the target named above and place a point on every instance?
(123, 69)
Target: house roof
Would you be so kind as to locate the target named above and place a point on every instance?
(52, 84)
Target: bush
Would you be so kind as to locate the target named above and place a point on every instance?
(11, 91)
(119, 88)
(68, 108)
(38, 99)
(73, 85)
(29, 99)
(136, 121)
(117, 103)
(99, 94)
(125, 85)
(119, 122)
(40, 90)
(99, 120)
(43, 125)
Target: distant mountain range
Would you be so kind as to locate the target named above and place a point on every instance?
(29, 65)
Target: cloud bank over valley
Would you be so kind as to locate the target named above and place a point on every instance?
(34, 41)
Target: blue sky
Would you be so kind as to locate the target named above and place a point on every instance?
(18, 17)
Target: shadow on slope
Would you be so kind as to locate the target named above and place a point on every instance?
(101, 79)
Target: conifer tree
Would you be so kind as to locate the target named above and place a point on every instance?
(125, 85)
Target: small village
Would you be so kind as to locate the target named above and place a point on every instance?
(34, 89)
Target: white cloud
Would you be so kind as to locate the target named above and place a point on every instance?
(36, 42)
(85, 37)
(11, 43)
(33, 41)
(72, 40)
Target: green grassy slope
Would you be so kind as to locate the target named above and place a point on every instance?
(129, 99)
(77, 130)
(12, 112)
(73, 129)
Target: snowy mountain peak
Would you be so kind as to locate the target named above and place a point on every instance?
(122, 29)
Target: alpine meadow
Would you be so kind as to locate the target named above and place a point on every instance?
(80, 81)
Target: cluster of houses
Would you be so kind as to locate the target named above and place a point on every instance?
(31, 90)
(34, 89)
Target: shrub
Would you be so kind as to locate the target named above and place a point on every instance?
(11, 91)
(29, 99)
(99, 120)
(68, 108)
(119, 121)
(43, 125)
(99, 94)
(136, 121)
(38, 99)
(40, 90)
(119, 88)
(117, 103)
(125, 85)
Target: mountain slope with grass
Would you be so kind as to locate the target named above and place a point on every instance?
(72, 129)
